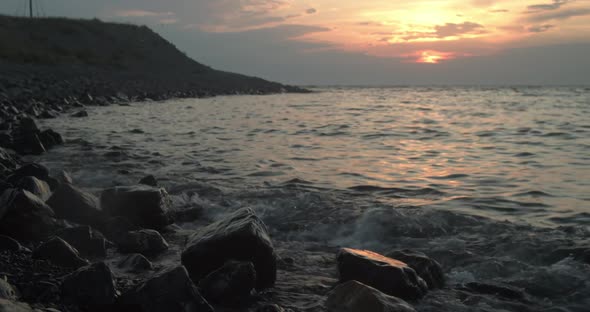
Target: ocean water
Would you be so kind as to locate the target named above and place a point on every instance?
(492, 182)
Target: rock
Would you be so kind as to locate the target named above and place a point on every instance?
(28, 125)
(235, 280)
(10, 244)
(50, 138)
(90, 285)
(136, 263)
(6, 290)
(48, 114)
(80, 114)
(390, 276)
(117, 227)
(73, 204)
(143, 205)
(60, 253)
(7, 159)
(35, 186)
(149, 180)
(505, 291)
(29, 170)
(25, 216)
(64, 178)
(240, 236)
(28, 144)
(87, 241)
(146, 242)
(354, 296)
(270, 308)
(428, 269)
(171, 290)
(12, 306)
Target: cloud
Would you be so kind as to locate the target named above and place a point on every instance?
(447, 30)
(142, 13)
(540, 28)
(559, 15)
(547, 7)
(311, 11)
(500, 11)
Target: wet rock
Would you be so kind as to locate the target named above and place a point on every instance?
(13, 306)
(390, 276)
(146, 242)
(28, 144)
(27, 125)
(80, 114)
(50, 138)
(136, 263)
(64, 178)
(25, 216)
(87, 241)
(48, 114)
(117, 227)
(6, 290)
(234, 281)
(38, 187)
(428, 269)
(171, 290)
(143, 205)
(73, 204)
(240, 236)
(7, 159)
(90, 285)
(60, 253)
(31, 169)
(10, 244)
(149, 180)
(353, 296)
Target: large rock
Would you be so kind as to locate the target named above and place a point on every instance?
(73, 204)
(136, 263)
(143, 205)
(25, 216)
(60, 253)
(234, 281)
(28, 144)
(29, 170)
(115, 228)
(240, 236)
(171, 290)
(7, 291)
(50, 138)
(353, 296)
(90, 285)
(390, 276)
(146, 242)
(427, 268)
(87, 241)
(10, 244)
(35, 186)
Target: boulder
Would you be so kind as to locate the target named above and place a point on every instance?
(27, 125)
(28, 144)
(29, 170)
(390, 276)
(115, 228)
(13, 306)
(354, 296)
(90, 285)
(87, 241)
(427, 268)
(171, 290)
(80, 114)
(234, 281)
(149, 180)
(25, 216)
(35, 186)
(73, 204)
(7, 291)
(240, 236)
(7, 159)
(136, 263)
(50, 138)
(146, 242)
(60, 253)
(10, 244)
(64, 178)
(143, 205)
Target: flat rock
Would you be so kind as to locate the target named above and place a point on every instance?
(390, 276)
(73, 204)
(136, 263)
(234, 281)
(25, 216)
(240, 236)
(171, 290)
(146, 242)
(60, 253)
(35, 186)
(90, 285)
(143, 205)
(354, 296)
(427, 268)
(86, 240)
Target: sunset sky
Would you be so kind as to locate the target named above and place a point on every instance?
(369, 41)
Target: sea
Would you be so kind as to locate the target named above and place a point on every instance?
(492, 182)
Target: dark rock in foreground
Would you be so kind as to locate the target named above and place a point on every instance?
(75, 205)
(240, 236)
(60, 253)
(146, 242)
(143, 205)
(234, 281)
(38, 187)
(136, 263)
(24, 216)
(353, 296)
(428, 269)
(87, 241)
(390, 276)
(29, 170)
(10, 244)
(171, 290)
(90, 285)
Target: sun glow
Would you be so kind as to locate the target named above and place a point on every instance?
(433, 57)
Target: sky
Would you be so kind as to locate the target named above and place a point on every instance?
(368, 42)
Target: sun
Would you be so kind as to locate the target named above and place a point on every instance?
(433, 57)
